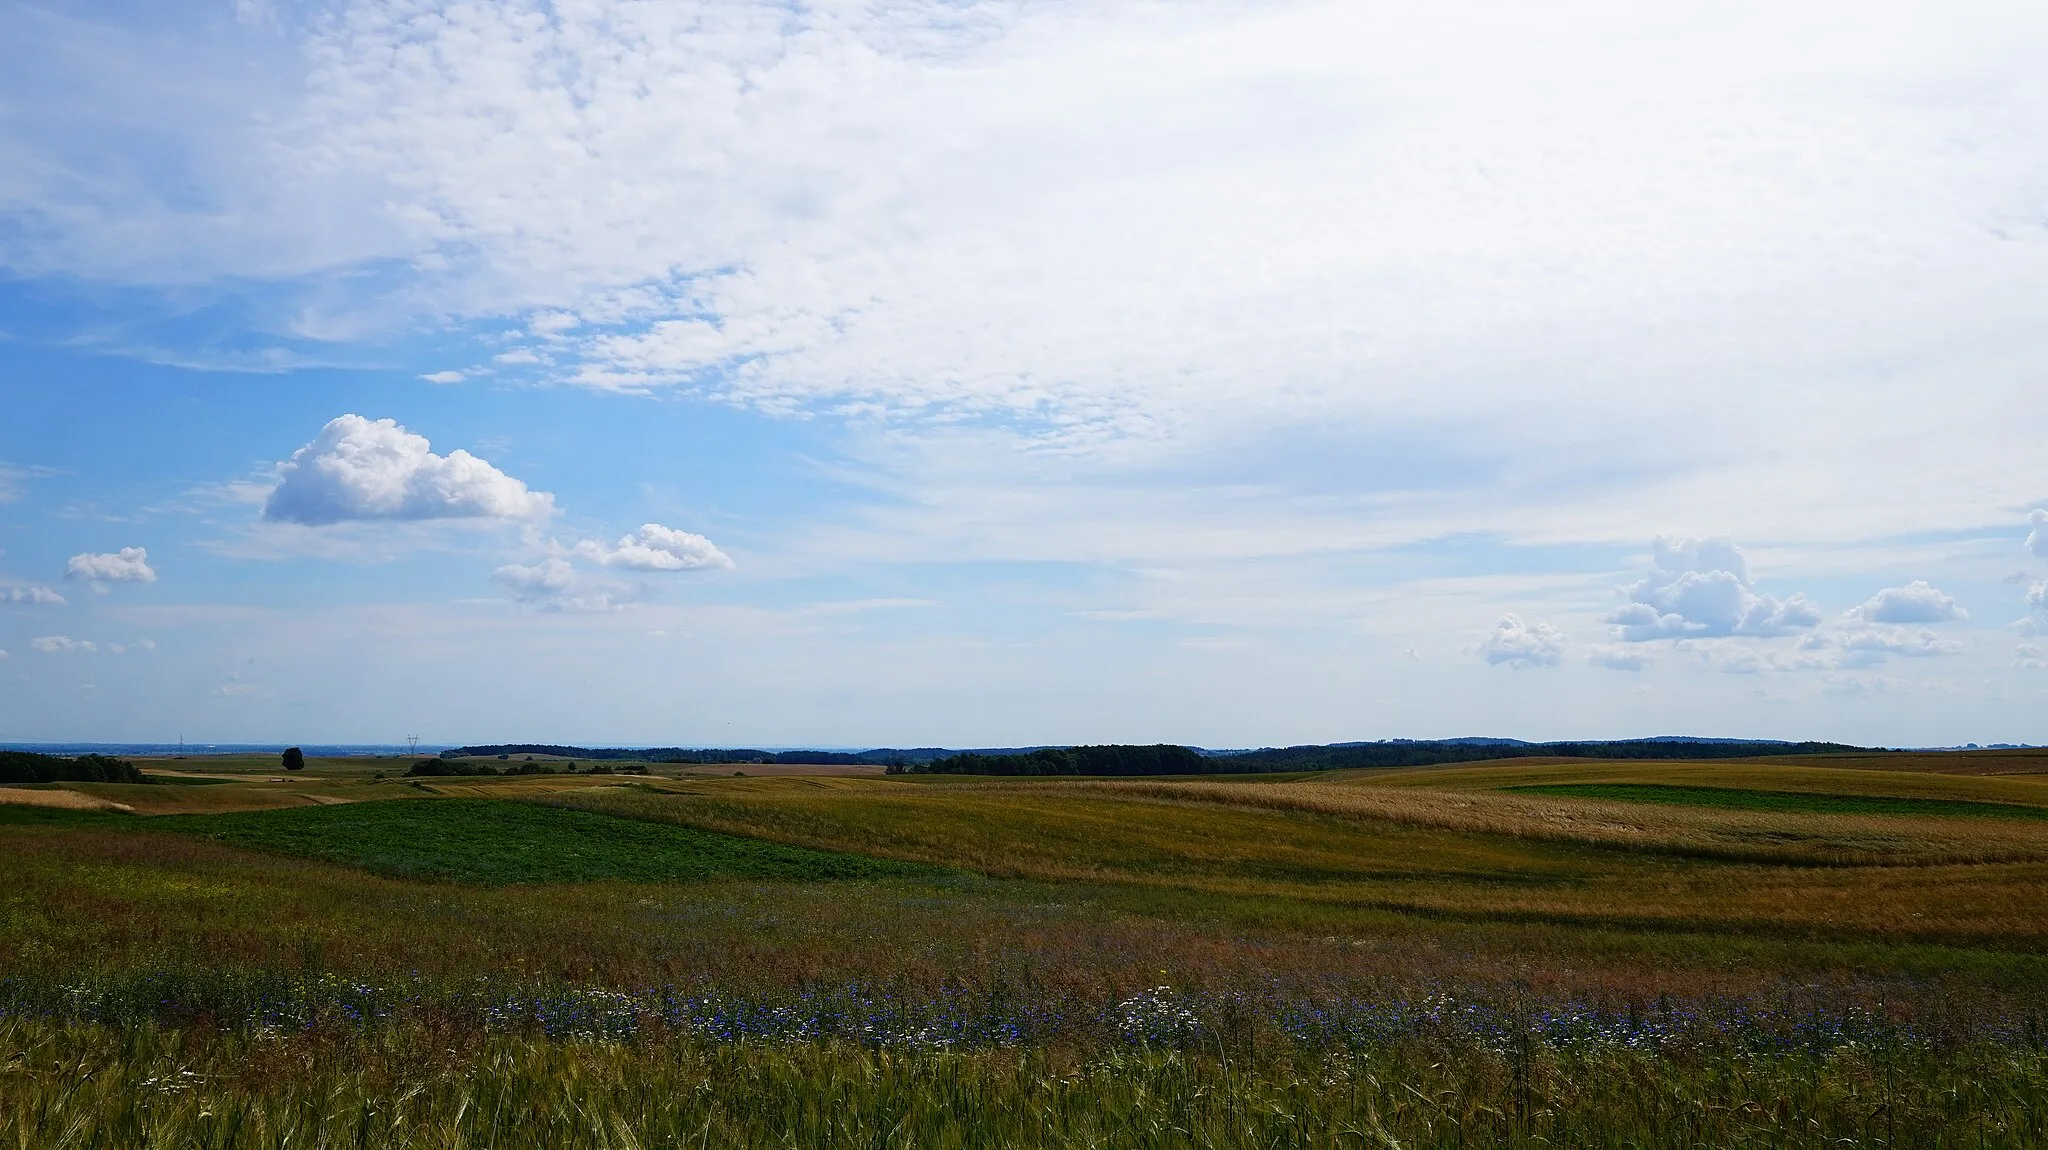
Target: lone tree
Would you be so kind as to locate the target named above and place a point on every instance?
(294, 759)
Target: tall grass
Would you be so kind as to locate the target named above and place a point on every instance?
(85, 1086)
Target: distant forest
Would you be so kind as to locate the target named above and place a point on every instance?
(1167, 759)
(1402, 753)
(28, 767)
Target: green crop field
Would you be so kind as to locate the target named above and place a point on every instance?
(1725, 953)
(476, 840)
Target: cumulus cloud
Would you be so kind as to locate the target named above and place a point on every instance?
(2037, 539)
(657, 548)
(1897, 641)
(362, 469)
(42, 596)
(51, 644)
(1701, 587)
(128, 565)
(554, 585)
(1520, 644)
(1916, 602)
(443, 377)
(2035, 622)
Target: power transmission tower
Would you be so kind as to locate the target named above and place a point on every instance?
(412, 743)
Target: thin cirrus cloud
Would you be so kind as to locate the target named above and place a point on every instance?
(1701, 588)
(359, 469)
(128, 565)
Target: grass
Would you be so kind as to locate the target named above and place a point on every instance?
(473, 840)
(76, 1087)
(1417, 958)
(1727, 798)
(1467, 856)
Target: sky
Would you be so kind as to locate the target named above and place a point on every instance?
(1009, 372)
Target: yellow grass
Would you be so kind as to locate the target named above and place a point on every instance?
(57, 798)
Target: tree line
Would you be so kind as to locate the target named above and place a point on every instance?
(19, 767)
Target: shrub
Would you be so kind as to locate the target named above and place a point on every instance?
(294, 759)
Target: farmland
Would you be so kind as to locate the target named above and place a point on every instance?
(1726, 952)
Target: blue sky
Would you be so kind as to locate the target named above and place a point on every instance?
(986, 373)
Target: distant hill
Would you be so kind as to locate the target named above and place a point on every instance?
(1167, 759)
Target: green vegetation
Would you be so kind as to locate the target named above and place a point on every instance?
(77, 1087)
(1747, 800)
(1428, 958)
(475, 840)
(17, 767)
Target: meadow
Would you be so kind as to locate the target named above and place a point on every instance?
(1726, 953)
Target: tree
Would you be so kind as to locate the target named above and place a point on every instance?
(294, 759)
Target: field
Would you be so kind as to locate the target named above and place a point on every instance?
(1731, 953)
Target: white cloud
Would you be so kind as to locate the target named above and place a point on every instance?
(2037, 539)
(443, 377)
(1897, 641)
(657, 548)
(128, 565)
(2035, 622)
(2032, 656)
(554, 585)
(1522, 645)
(32, 594)
(1916, 602)
(1618, 658)
(51, 644)
(1701, 587)
(359, 469)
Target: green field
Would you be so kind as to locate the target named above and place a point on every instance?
(481, 841)
(1527, 953)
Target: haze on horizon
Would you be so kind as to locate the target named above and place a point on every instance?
(978, 373)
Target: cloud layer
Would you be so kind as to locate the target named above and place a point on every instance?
(360, 469)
